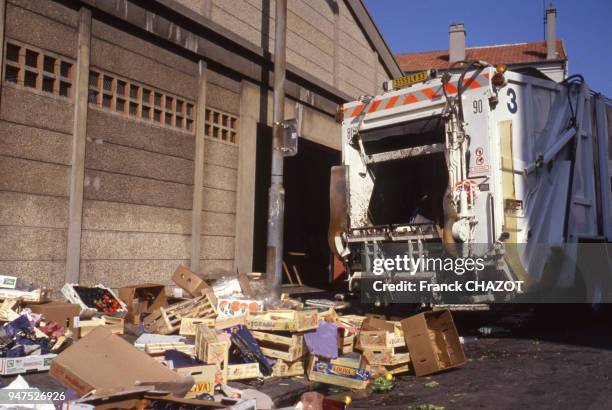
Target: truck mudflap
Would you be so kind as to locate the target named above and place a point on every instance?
(338, 205)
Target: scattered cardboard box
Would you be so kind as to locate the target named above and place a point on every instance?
(9, 282)
(103, 360)
(347, 371)
(433, 342)
(190, 282)
(204, 379)
(72, 296)
(64, 314)
(26, 364)
(143, 298)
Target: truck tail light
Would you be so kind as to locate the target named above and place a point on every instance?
(340, 114)
(498, 79)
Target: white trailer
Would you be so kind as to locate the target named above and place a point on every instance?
(512, 167)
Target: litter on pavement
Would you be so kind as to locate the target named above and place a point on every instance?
(191, 351)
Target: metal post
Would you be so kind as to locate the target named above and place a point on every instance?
(276, 205)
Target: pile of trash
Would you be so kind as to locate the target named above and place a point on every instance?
(189, 350)
(32, 332)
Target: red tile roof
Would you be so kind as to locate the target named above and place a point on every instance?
(520, 53)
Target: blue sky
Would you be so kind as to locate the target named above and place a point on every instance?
(585, 26)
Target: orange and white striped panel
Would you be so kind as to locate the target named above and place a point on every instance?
(414, 96)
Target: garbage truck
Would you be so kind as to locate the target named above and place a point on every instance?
(477, 161)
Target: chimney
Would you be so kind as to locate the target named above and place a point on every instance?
(551, 35)
(456, 43)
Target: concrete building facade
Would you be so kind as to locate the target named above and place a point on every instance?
(133, 133)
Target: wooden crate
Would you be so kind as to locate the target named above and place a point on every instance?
(345, 372)
(205, 378)
(188, 324)
(346, 341)
(114, 324)
(379, 370)
(8, 309)
(353, 321)
(375, 339)
(288, 348)
(283, 320)
(208, 347)
(160, 348)
(288, 369)
(243, 371)
(35, 296)
(168, 320)
(212, 350)
(388, 356)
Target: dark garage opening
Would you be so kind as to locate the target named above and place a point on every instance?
(306, 209)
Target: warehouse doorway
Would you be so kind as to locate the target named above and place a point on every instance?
(306, 209)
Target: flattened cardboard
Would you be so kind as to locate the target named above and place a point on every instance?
(130, 399)
(103, 360)
(60, 312)
(142, 298)
(245, 285)
(433, 342)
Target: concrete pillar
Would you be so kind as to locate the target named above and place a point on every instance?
(376, 88)
(336, 68)
(247, 155)
(2, 24)
(198, 178)
(79, 134)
